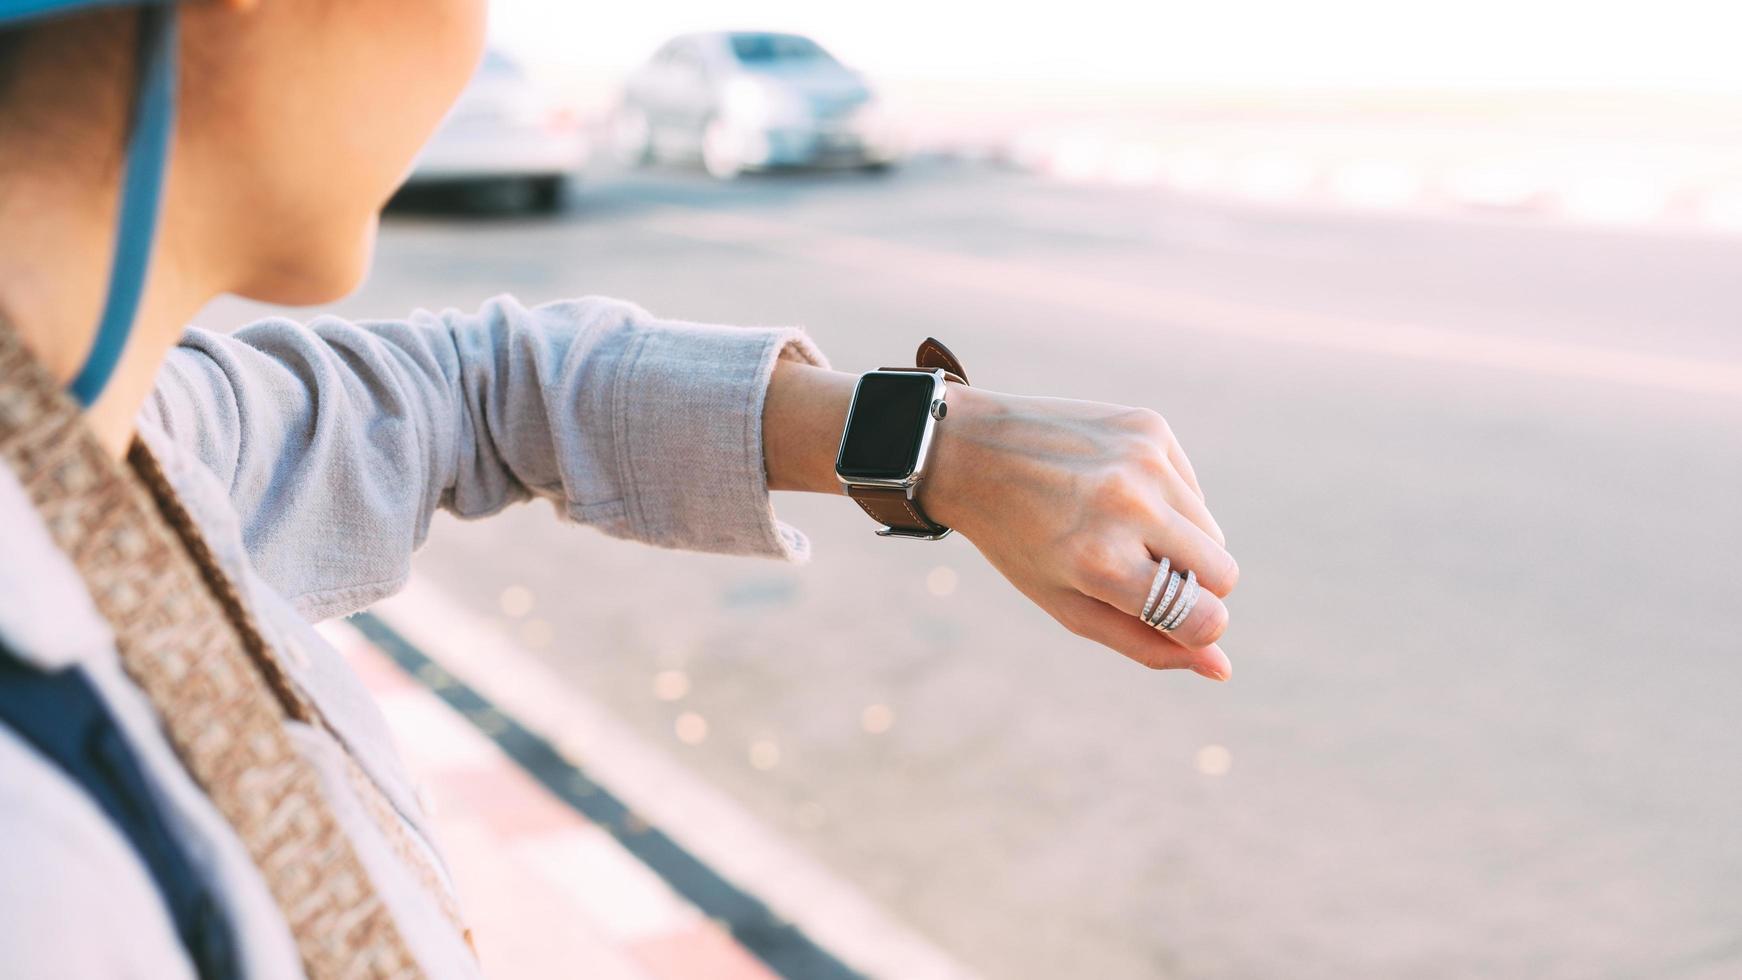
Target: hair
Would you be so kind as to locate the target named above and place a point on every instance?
(12, 39)
(65, 88)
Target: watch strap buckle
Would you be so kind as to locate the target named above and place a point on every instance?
(900, 514)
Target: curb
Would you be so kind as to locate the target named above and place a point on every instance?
(697, 856)
(1704, 196)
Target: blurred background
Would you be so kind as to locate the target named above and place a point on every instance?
(1442, 300)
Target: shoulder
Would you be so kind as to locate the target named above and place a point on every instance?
(74, 900)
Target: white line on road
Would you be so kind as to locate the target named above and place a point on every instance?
(1208, 314)
(629, 901)
(704, 820)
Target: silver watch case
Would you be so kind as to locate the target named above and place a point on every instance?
(910, 482)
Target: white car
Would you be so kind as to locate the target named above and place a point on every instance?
(751, 100)
(504, 130)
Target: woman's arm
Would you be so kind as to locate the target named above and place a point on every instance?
(337, 440)
(1071, 501)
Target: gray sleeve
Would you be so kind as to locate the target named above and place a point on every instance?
(338, 440)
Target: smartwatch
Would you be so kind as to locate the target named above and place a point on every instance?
(888, 439)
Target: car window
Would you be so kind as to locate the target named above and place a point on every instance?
(766, 49)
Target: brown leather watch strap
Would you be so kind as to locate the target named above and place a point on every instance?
(933, 354)
(891, 506)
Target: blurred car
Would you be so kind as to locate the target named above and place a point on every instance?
(504, 130)
(744, 100)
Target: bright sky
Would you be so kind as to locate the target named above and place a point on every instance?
(1656, 45)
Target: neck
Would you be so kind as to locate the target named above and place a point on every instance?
(54, 275)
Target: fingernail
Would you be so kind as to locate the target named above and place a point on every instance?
(1210, 672)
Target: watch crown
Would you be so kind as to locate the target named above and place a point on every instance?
(939, 409)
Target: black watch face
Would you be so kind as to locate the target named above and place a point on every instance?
(883, 432)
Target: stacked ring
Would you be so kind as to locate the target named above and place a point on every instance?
(1155, 615)
(1160, 611)
(1154, 591)
(1187, 600)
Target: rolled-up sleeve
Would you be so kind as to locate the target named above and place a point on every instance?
(338, 440)
(689, 447)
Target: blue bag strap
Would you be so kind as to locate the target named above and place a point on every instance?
(141, 198)
(18, 11)
(148, 139)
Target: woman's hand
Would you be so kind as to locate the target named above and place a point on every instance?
(1075, 503)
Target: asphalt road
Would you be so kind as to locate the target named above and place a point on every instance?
(1484, 481)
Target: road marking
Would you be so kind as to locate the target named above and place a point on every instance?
(1183, 309)
(1376, 184)
(629, 901)
(543, 887)
(704, 821)
(440, 733)
(532, 793)
(1273, 177)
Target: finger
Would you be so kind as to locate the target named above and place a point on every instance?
(1213, 663)
(1176, 454)
(1128, 579)
(1125, 633)
(1189, 502)
(1128, 588)
(1187, 546)
(1204, 624)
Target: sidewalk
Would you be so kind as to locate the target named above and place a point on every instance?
(547, 892)
(580, 848)
(1603, 159)
(1610, 181)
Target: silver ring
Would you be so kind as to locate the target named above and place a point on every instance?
(1187, 600)
(1173, 584)
(1184, 608)
(1154, 591)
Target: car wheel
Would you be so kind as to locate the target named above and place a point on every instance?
(632, 137)
(721, 155)
(545, 194)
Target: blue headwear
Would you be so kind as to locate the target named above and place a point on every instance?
(153, 120)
